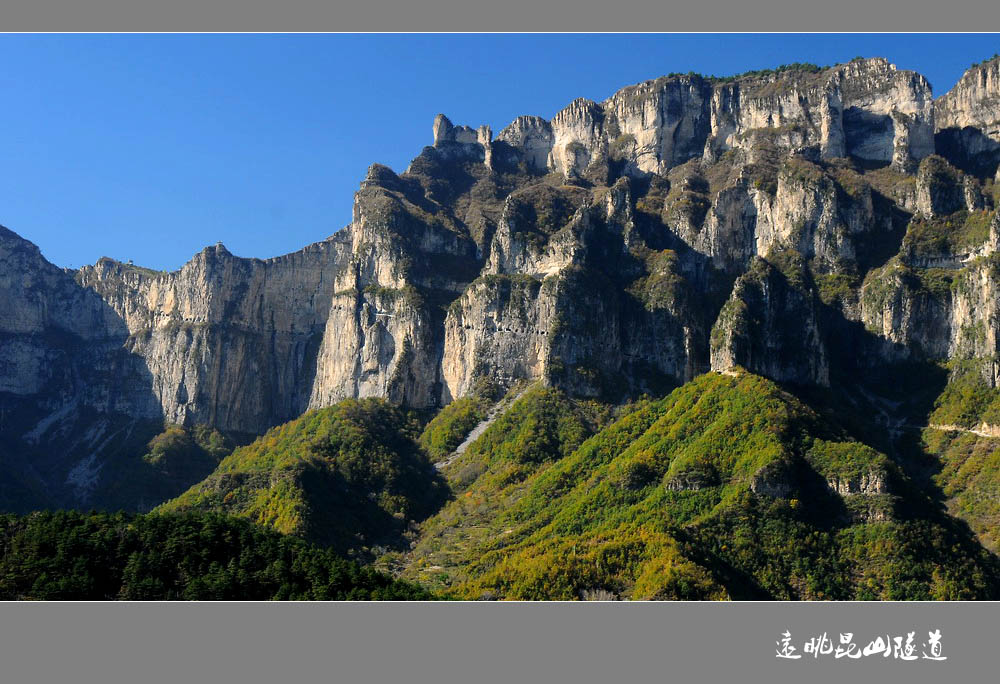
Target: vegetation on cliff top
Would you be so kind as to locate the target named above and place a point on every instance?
(945, 236)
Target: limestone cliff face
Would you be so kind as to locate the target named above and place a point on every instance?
(974, 101)
(968, 120)
(937, 298)
(806, 210)
(773, 221)
(888, 115)
(586, 307)
(499, 327)
(383, 330)
(531, 138)
(659, 124)
(974, 308)
(228, 342)
(866, 109)
(898, 308)
(772, 327)
(60, 344)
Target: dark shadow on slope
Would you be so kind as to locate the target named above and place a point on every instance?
(742, 586)
(88, 407)
(350, 520)
(969, 149)
(882, 246)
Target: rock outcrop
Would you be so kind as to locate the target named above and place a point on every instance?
(62, 345)
(968, 119)
(229, 342)
(776, 480)
(772, 327)
(867, 483)
(974, 101)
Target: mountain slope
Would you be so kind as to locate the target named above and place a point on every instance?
(962, 434)
(351, 477)
(727, 487)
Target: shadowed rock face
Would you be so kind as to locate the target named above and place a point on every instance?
(773, 327)
(63, 344)
(683, 224)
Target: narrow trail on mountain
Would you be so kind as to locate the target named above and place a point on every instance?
(477, 431)
(991, 431)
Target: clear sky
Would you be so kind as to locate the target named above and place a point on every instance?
(149, 147)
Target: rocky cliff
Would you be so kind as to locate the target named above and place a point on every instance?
(974, 101)
(805, 223)
(968, 118)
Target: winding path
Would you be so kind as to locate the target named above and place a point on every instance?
(477, 431)
(985, 430)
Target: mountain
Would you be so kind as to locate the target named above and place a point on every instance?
(831, 229)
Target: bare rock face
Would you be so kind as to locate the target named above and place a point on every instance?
(446, 132)
(942, 306)
(771, 328)
(807, 212)
(970, 150)
(873, 482)
(500, 328)
(888, 114)
(578, 138)
(973, 328)
(776, 480)
(60, 344)
(659, 124)
(967, 120)
(909, 317)
(37, 296)
(940, 188)
(549, 306)
(462, 142)
(698, 477)
(974, 101)
(221, 326)
(801, 108)
(382, 333)
(866, 109)
(532, 138)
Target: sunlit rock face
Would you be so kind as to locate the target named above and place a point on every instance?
(974, 101)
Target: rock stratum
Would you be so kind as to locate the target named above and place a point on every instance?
(807, 224)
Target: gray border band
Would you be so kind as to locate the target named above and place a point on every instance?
(482, 642)
(495, 16)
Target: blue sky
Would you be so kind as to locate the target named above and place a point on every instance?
(149, 147)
